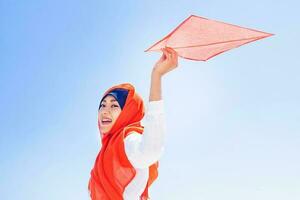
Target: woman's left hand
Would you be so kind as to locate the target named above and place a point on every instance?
(167, 62)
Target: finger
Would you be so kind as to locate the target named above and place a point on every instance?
(171, 50)
(163, 56)
(168, 50)
(173, 54)
(167, 53)
(175, 59)
(164, 50)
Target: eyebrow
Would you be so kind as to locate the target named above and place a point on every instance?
(112, 100)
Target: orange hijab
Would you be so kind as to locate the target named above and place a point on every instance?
(112, 171)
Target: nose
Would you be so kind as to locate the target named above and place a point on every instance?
(105, 110)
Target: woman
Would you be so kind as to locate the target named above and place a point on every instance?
(127, 163)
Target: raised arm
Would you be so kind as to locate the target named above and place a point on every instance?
(144, 150)
(167, 62)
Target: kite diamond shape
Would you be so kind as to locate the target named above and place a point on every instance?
(198, 38)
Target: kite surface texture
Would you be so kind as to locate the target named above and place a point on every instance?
(198, 38)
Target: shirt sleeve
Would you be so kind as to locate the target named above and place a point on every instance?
(144, 150)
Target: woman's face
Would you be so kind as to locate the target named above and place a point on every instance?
(108, 113)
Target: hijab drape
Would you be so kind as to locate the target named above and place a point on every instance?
(112, 170)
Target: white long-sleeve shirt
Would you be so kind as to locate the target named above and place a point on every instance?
(144, 150)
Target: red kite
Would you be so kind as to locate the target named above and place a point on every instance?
(198, 38)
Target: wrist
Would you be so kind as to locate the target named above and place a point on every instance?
(156, 73)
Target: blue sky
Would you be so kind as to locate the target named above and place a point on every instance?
(233, 121)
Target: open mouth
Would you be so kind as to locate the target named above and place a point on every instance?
(106, 121)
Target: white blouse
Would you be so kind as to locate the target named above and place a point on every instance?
(144, 150)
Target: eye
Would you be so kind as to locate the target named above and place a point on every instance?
(114, 106)
(102, 105)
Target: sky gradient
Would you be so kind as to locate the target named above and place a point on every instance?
(233, 121)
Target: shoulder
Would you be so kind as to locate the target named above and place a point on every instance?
(155, 106)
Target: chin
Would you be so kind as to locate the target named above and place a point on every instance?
(105, 131)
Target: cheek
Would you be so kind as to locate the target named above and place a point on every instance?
(116, 114)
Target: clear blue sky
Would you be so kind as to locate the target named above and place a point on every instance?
(233, 121)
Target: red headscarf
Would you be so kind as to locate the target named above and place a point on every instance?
(112, 171)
